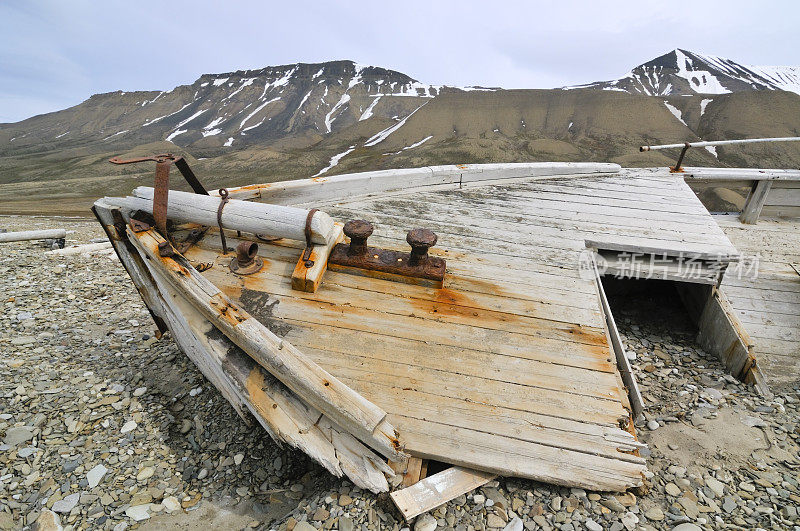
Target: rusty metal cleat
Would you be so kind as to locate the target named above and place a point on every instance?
(247, 261)
(357, 255)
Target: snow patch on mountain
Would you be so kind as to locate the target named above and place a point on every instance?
(383, 135)
(335, 160)
(675, 112)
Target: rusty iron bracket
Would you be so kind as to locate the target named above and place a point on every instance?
(139, 226)
(677, 168)
(223, 195)
(247, 261)
(306, 259)
(161, 186)
(417, 264)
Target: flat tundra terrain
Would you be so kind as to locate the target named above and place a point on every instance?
(103, 426)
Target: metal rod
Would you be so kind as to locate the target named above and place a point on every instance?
(677, 168)
(721, 143)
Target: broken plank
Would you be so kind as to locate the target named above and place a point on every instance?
(438, 489)
(305, 378)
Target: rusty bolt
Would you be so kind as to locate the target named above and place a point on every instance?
(246, 254)
(358, 230)
(420, 240)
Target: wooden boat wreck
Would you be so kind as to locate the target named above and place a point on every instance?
(449, 313)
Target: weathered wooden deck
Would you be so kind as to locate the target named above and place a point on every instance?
(508, 368)
(768, 305)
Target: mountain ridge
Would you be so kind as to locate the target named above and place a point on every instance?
(680, 72)
(306, 119)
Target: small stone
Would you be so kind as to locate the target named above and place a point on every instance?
(652, 425)
(591, 525)
(67, 503)
(479, 499)
(345, 500)
(629, 520)
(689, 507)
(613, 504)
(17, 435)
(514, 525)
(729, 505)
(345, 524)
(171, 504)
(139, 391)
(426, 522)
(237, 459)
(628, 499)
(203, 474)
(321, 514)
(26, 452)
(687, 526)
(186, 426)
(672, 489)
(95, 475)
(716, 486)
(138, 513)
(655, 514)
(129, 426)
(145, 474)
(48, 521)
(492, 520)
(305, 526)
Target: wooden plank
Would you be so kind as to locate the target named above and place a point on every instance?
(623, 365)
(244, 384)
(561, 230)
(722, 334)
(783, 197)
(28, 235)
(413, 471)
(88, 248)
(512, 457)
(745, 174)
(337, 187)
(755, 202)
(438, 489)
(784, 212)
(417, 406)
(314, 385)
(308, 278)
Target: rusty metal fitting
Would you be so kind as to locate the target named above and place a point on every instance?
(247, 261)
(358, 230)
(165, 250)
(420, 240)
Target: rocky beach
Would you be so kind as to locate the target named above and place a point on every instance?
(103, 426)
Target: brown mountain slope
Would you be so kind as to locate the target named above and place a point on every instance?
(408, 125)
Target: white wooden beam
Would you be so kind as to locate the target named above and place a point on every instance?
(22, 236)
(276, 221)
(755, 202)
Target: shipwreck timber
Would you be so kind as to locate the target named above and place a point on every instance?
(508, 363)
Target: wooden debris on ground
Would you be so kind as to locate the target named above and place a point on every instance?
(438, 489)
(21, 236)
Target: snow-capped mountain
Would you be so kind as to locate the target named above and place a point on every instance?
(234, 109)
(681, 72)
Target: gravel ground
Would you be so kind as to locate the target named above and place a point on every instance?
(102, 426)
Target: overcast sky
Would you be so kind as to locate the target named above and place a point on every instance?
(54, 54)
